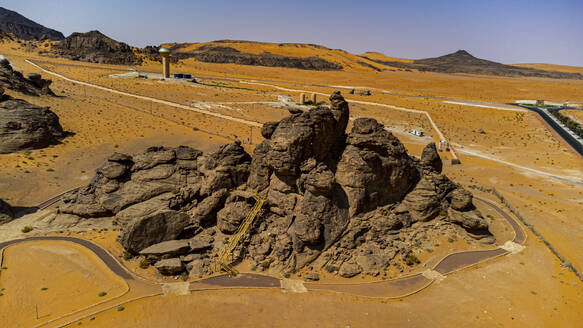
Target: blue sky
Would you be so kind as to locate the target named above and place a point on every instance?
(509, 31)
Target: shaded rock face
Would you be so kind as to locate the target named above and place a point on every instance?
(34, 85)
(94, 47)
(374, 168)
(25, 29)
(353, 203)
(26, 126)
(6, 213)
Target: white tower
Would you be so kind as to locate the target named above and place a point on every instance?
(165, 53)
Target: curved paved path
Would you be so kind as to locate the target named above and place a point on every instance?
(396, 288)
(383, 288)
(102, 254)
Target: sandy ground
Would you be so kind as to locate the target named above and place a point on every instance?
(54, 277)
(499, 293)
(529, 289)
(576, 115)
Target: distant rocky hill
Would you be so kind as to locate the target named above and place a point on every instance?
(95, 47)
(463, 62)
(25, 29)
(229, 55)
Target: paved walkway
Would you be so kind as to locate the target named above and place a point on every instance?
(386, 289)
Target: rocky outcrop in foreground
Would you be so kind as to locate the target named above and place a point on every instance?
(34, 85)
(348, 203)
(94, 47)
(6, 213)
(26, 126)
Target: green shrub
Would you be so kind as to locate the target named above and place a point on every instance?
(120, 308)
(411, 259)
(101, 294)
(26, 229)
(144, 263)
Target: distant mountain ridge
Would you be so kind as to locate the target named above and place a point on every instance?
(462, 61)
(24, 28)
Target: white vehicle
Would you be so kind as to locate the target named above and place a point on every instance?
(417, 133)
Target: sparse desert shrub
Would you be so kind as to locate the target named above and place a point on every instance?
(26, 229)
(144, 263)
(127, 256)
(411, 259)
(101, 294)
(120, 308)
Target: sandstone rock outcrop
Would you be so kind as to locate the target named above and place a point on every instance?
(34, 85)
(26, 126)
(6, 213)
(351, 203)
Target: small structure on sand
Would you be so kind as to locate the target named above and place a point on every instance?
(182, 76)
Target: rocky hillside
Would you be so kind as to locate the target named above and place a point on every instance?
(289, 55)
(350, 203)
(94, 47)
(34, 85)
(25, 29)
(463, 62)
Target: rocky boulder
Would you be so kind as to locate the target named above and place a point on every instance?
(374, 168)
(153, 229)
(430, 158)
(27, 126)
(6, 213)
(34, 85)
(166, 249)
(170, 267)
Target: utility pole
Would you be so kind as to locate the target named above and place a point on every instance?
(250, 135)
(36, 309)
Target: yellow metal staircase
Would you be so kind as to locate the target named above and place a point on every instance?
(223, 259)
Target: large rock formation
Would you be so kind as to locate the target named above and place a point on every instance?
(34, 85)
(25, 29)
(26, 126)
(6, 213)
(94, 47)
(352, 202)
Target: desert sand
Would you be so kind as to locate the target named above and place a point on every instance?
(516, 154)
